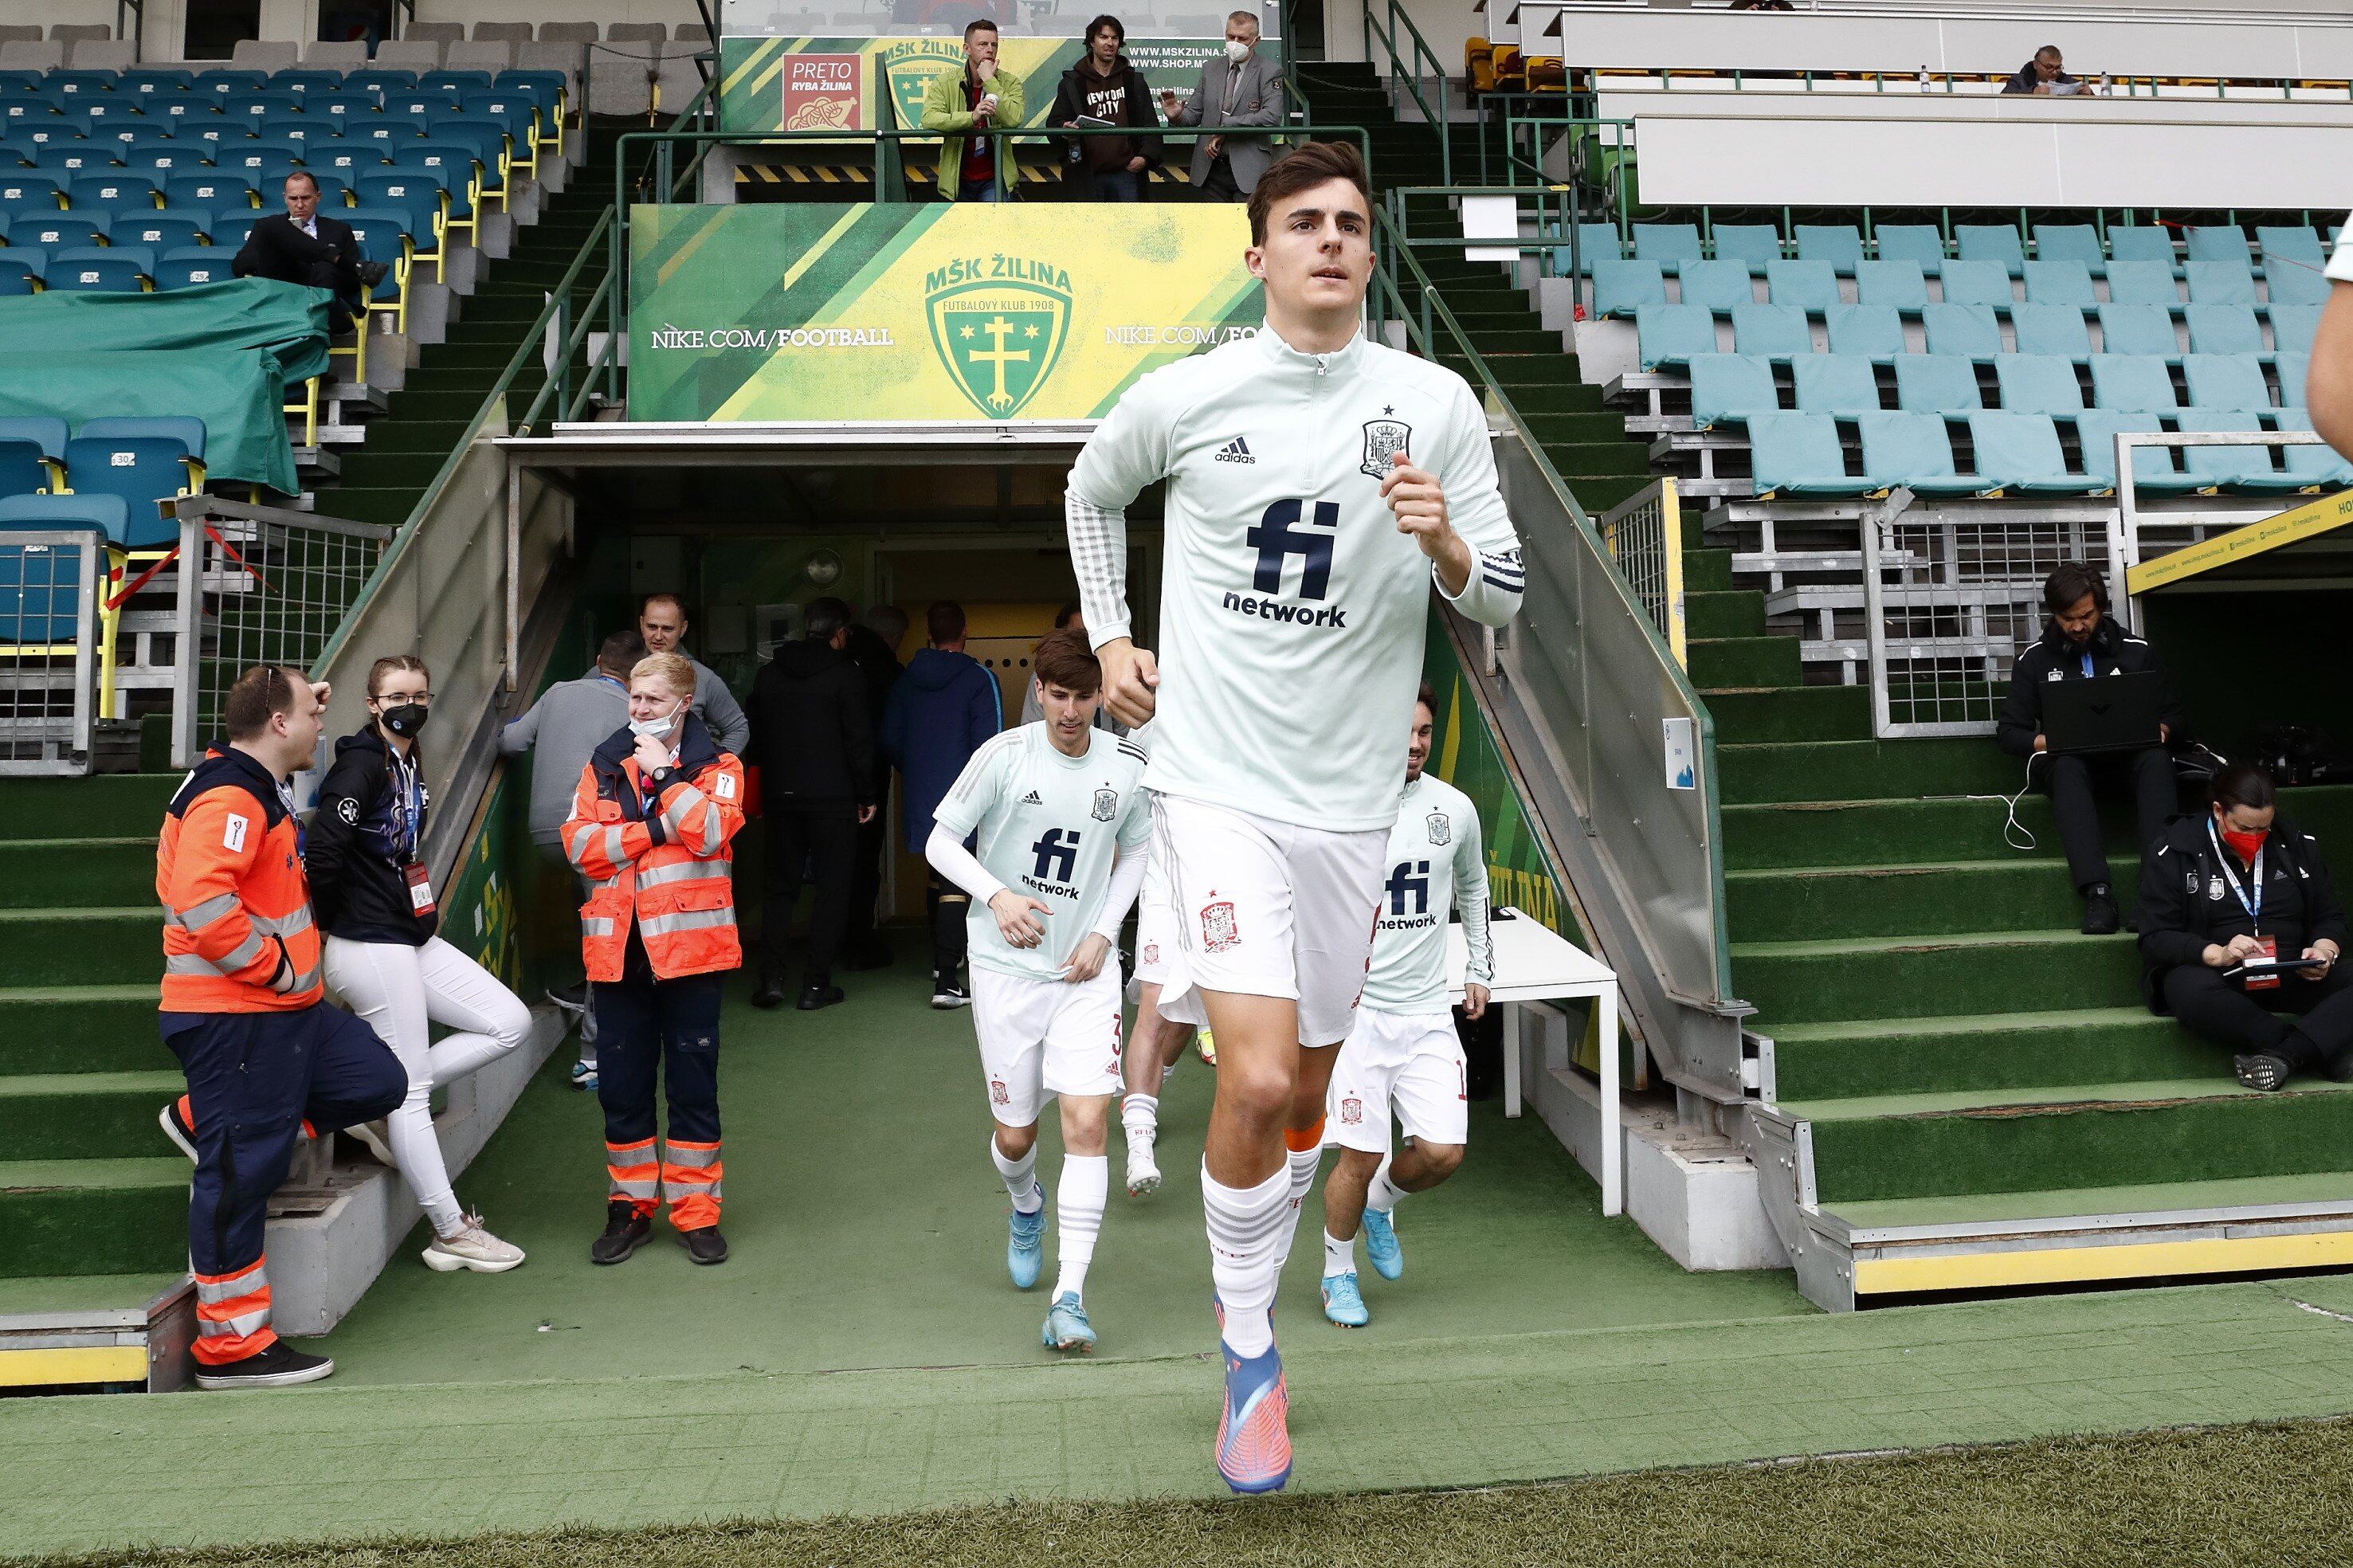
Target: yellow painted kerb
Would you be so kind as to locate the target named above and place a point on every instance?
(81, 1363)
(2128, 1260)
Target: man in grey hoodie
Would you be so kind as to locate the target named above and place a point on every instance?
(569, 721)
(661, 621)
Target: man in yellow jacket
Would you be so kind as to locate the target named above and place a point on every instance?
(976, 101)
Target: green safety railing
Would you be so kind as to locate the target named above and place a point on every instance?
(1385, 30)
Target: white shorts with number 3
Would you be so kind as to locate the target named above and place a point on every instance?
(1045, 1036)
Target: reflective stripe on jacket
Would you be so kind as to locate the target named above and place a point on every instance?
(228, 871)
(664, 864)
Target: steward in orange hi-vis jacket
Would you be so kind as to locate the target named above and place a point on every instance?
(241, 1010)
(651, 822)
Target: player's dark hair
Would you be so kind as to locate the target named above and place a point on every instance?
(260, 691)
(2069, 584)
(618, 654)
(944, 622)
(2240, 786)
(978, 24)
(1309, 164)
(1428, 698)
(1118, 30)
(1065, 615)
(1064, 660)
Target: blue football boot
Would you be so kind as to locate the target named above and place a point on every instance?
(1067, 1328)
(1025, 1244)
(1343, 1302)
(1381, 1245)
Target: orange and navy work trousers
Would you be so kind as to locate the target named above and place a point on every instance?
(253, 1080)
(667, 1032)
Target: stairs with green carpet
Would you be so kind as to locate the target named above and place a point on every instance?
(1966, 1093)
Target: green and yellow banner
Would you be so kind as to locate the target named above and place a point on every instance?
(923, 312)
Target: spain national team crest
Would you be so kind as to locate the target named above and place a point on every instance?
(999, 335)
(1441, 827)
(1151, 952)
(997, 1094)
(1106, 803)
(1220, 932)
(1384, 439)
(1352, 1111)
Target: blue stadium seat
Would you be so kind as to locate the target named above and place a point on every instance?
(237, 83)
(186, 112)
(380, 79)
(231, 224)
(1595, 242)
(209, 191)
(188, 264)
(1900, 284)
(2133, 384)
(1620, 287)
(1798, 454)
(143, 461)
(392, 128)
(32, 455)
(298, 130)
(1668, 244)
(2096, 430)
(111, 118)
(71, 159)
(2060, 282)
(21, 266)
(2319, 468)
(265, 163)
(1978, 282)
(2050, 330)
(1755, 243)
(1728, 388)
(1776, 332)
(493, 153)
(2143, 283)
(306, 82)
(57, 231)
(149, 83)
(262, 105)
(382, 236)
(2020, 453)
(40, 585)
(2220, 282)
(2291, 327)
(161, 161)
(1668, 335)
(1840, 244)
(421, 201)
(454, 163)
(416, 104)
(2226, 381)
(519, 112)
(2139, 242)
(1917, 242)
(347, 159)
(1812, 286)
(2217, 242)
(2296, 283)
(1936, 384)
(161, 230)
(1718, 284)
(2224, 329)
(2138, 330)
(2294, 248)
(1842, 386)
(2071, 242)
(29, 194)
(1969, 331)
(113, 194)
(1913, 450)
(1995, 242)
(97, 269)
(2234, 467)
(1875, 332)
(79, 84)
(2038, 384)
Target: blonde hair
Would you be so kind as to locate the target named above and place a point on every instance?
(669, 669)
(394, 663)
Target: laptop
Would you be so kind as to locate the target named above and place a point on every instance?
(2105, 713)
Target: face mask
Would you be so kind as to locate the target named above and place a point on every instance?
(405, 719)
(2245, 845)
(657, 728)
(1236, 51)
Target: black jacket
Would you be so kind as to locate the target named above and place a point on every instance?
(812, 728)
(879, 665)
(353, 850)
(2051, 657)
(2187, 905)
(275, 248)
(1120, 98)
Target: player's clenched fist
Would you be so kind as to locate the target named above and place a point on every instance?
(1415, 498)
(1130, 678)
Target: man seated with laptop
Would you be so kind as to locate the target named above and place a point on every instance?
(2091, 713)
(2239, 934)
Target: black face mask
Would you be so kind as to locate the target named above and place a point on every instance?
(405, 719)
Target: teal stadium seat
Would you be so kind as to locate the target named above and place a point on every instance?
(1756, 244)
(61, 231)
(1875, 332)
(1911, 241)
(1717, 285)
(2230, 467)
(1967, 331)
(1799, 455)
(2138, 330)
(21, 266)
(71, 159)
(32, 455)
(1668, 335)
(1810, 286)
(1840, 385)
(2292, 260)
(2224, 329)
(2038, 384)
(2216, 242)
(208, 192)
(1840, 244)
(1668, 244)
(159, 230)
(1936, 384)
(2320, 467)
(34, 195)
(2060, 282)
(231, 227)
(2293, 370)
(1978, 282)
(1913, 450)
(2071, 242)
(2020, 453)
(1900, 284)
(2141, 242)
(2133, 384)
(2050, 330)
(2291, 327)
(1620, 287)
(2097, 428)
(1776, 332)
(1596, 242)
(2220, 282)
(1727, 389)
(2143, 283)
(144, 461)
(40, 589)
(1995, 242)
(81, 270)
(190, 265)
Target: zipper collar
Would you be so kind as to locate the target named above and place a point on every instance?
(1285, 359)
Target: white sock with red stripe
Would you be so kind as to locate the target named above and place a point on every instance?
(1245, 1226)
(1020, 1177)
(1077, 1215)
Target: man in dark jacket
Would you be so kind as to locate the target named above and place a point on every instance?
(940, 712)
(813, 740)
(304, 245)
(1103, 86)
(874, 645)
(2078, 643)
(2239, 882)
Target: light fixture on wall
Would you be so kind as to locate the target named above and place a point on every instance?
(823, 568)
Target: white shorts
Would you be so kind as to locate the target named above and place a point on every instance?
(1409, 1061)
(1044, 1037)
(1261, 908)
(1156, 922)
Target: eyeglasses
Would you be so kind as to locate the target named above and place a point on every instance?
(403, 697)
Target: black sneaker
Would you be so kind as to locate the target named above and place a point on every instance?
(771, 993)
(625, 1231)
(279, 1366)
(2100, 916)
(704, 1244)
(816, 996)
(2265, 1073)
(948, 992)
(177, 1127)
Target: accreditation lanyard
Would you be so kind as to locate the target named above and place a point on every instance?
(2254, 906)
(409, 808)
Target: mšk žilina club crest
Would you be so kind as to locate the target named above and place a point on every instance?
(999, 338)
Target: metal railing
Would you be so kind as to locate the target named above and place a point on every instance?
(50, 627)
(1410, 71)
(1644, 535)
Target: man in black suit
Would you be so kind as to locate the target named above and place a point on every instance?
(305, 246)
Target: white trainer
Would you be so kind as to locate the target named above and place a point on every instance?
(472, 1248)
(375, 1138)
(1143, 1170)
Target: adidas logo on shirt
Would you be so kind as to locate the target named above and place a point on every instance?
(1236, 451)
(1031, 799)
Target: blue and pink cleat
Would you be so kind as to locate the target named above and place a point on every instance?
(1254, 1433)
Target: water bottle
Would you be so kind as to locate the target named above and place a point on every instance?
(1924, 80)
(2107, 89)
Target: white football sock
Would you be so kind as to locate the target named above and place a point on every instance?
(1077, 1214)
(1169, 1072)
(1245, 1225)
(1301, 1168)
(1339, 1257)
(1020, 1177)
(1140, 1114)
(1383, 1193)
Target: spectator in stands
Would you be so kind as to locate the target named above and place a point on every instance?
(302, 245)
(943, 709)
(2077, 643)
(365, 857)
(2043, 77)
(1762, 5)
(1241, 91)
(563, 729)
(974, 102)
(661, 621)
(243, 1008)
(1068, 619)
(2329, 382)
(874, 645)
(2234, 883)
(813, 741)
(1104, 88)
(652, 819)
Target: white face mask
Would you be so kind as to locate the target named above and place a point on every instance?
(657, 728)
(1238, 51)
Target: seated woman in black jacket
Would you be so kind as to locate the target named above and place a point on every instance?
(2238, 883)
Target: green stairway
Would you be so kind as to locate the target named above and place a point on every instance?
(1970, 1093)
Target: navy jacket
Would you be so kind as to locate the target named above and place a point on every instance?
(352, 848)
(940, 713)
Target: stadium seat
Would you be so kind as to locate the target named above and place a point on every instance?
(1840, 244)
(143, 461)
(209, 192)
(2236, 467)
(95, 268)
(1995, 242)
(1840, 385)
(1875, 332)
(1668, 244)
(2050, 330)
(2217, 242)
(1810, 286)
(2060, 282)
(2038, 384)
(1718, 284)
(233, 82)
(2226, 381)
(379, 79)
(1899, 284)
(382, 236)
(1755, 243)
(161, 161)
(187, 114)
(2021, 452)
(2292, 369)
(340, 56)
(149, 83)
(1776, 332)
(2291, 327)
(231, 224)
(34, 195)
(189, 264)
(1620, 287)
(263, 106)
(2143, 283)
(266, 164)
(162, 230)
(1936, 384)
(1668, 335)
(55, 232)
(2319, 468)
(21, 266)
(40, 607)
(389, 129)
(72, 160)
(1596, 242)
(306, 82)
(113, 194)
(262, 55)
(1797, 453)
(1917, 242)
(2071, 242)
(415, 103)
(2224, 329)
(456, 83)
(1728, 388)
(298, 130)
(2220, 282)
(2096, 430)
(2138, 330)
(1978, 282)
(1913, 450)
(1969, 331)
(2292, 260)
(2133, 384)
(2141, 242)
(455, 164)
(32, 455)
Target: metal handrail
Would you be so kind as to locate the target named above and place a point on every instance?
(1421, 52)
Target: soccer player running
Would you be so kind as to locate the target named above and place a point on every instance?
(1317, 483)
(1062, 828)
(1403, 1051)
